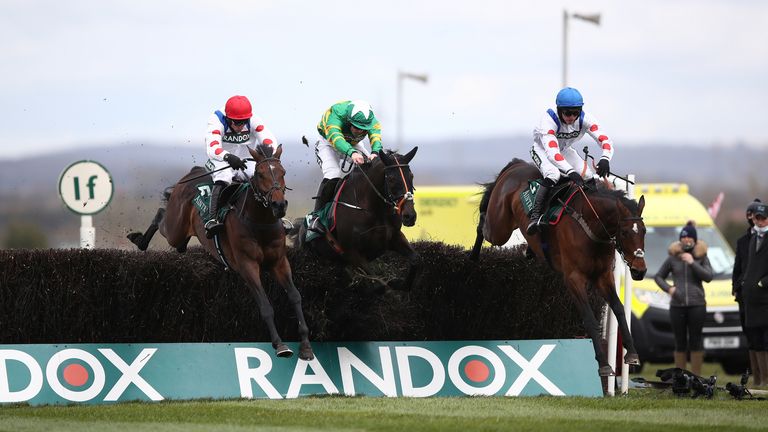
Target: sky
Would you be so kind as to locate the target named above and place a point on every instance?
(82, 73)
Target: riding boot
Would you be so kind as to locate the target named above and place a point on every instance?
(754, 366)
(537, 210)
(324, 196)
(680, 359)
(212, 224)
(697, 358)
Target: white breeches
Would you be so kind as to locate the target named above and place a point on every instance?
(330, 160)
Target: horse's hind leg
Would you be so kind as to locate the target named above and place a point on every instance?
(142, 240)
(284, 278)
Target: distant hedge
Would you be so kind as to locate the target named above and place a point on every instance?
(115, 296)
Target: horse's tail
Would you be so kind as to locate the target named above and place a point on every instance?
(487, 190)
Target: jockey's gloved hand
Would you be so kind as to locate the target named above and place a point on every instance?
(576, 178)
(603, 168)
(234, 161)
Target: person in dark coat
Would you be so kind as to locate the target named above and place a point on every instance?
(689, 265)
(739, 267)
(754, 291)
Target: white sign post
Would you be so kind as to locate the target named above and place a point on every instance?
(86, 188)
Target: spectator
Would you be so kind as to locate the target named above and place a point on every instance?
(689, 266)
(754, 292)
(739, 267)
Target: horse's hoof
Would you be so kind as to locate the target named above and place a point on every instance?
(305, 352)
(137, 238)
(605, 371)
(283, 351)
(632, 359)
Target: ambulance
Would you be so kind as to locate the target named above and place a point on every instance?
(449, 214)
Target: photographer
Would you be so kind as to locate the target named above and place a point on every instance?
(689, 266)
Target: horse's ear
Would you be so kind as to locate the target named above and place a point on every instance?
(278, 152)
(641, 205)
(255, 154)
(408, 156)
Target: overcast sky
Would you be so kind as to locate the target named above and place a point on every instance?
(76, 73)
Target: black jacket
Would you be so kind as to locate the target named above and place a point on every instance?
(755, 297)
(740, 264)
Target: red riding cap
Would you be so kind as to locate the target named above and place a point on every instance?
(238, 108)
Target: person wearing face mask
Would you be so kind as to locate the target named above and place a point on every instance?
(737, 279)
(754, 292)
(689, 266)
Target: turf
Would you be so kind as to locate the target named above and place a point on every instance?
(642, 410)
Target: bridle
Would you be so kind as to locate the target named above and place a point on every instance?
(615, 239)
(398, 202)
(265, 197)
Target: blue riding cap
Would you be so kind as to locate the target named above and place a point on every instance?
(569, 97)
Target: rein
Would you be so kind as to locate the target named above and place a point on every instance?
(615, 239)
(396, 204)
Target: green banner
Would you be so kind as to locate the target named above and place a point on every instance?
(92, 373)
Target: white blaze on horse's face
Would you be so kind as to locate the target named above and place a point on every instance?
(634, 228)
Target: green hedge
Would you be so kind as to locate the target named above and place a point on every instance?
(115, 296)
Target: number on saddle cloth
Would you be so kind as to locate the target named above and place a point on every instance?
(528, 196)
(202, 200)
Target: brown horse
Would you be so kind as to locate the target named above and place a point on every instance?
(254, 238)
(372, 205)
(581, 246)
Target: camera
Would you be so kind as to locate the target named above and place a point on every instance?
(741, 390)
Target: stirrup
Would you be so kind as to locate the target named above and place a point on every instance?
(287, 224)
(533, 226)
(213, 227)
(316, 226)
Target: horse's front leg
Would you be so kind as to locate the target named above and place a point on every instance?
(400, 245)
(577, 285)
(607, 289)
(252, 275)
(283, 276)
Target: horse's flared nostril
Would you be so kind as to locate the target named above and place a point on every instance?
(279, 208)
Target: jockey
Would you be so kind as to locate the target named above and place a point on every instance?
(342, 128)
(227, 138)
(552, 152)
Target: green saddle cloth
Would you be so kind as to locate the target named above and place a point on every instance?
(528, 196)
(326, 218)
(202, 201)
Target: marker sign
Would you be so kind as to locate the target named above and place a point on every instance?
(86, 187)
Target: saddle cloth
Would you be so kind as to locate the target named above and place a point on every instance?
(554, 207)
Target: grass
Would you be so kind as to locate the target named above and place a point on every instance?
(641, 410)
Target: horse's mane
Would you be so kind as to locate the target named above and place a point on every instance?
(603, 191)
(488, 187)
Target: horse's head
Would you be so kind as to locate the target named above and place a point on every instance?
(398, 184)
(268, 181)
(630, 236)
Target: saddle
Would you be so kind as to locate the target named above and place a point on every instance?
(202, 200)
(327, 214)
(561, 194)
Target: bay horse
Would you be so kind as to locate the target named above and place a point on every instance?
(371, 205)
(597, 222)
(253, 240)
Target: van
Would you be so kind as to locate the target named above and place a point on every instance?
(450, 213)
(668, 207)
